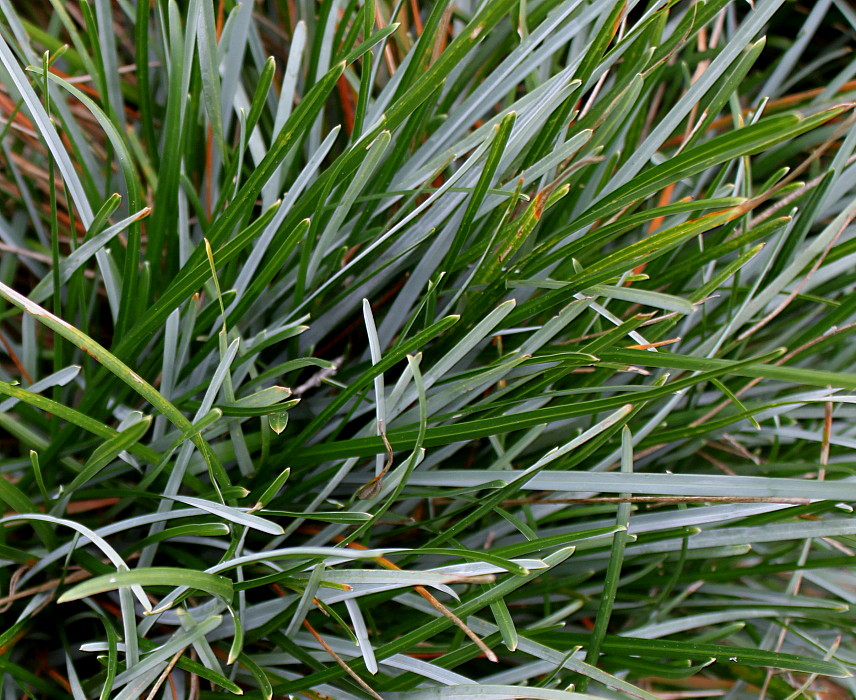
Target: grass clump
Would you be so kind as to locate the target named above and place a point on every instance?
(427, 350)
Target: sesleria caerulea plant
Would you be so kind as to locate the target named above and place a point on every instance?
(406, 350)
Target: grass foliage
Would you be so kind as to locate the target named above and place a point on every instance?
(474, 349)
